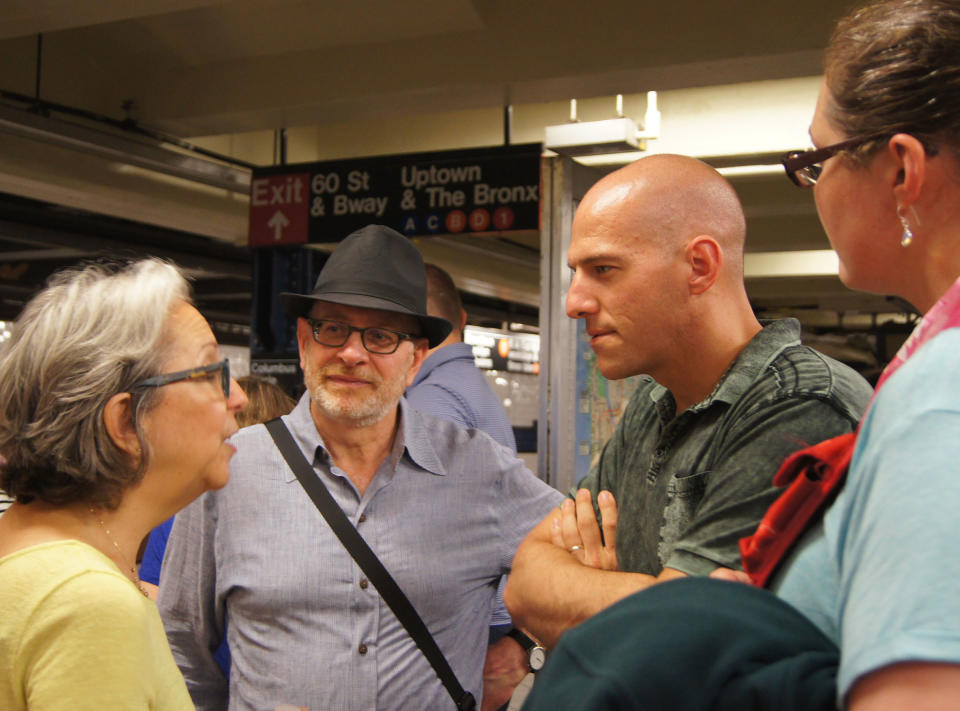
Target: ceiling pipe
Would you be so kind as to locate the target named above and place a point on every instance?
(140, 150)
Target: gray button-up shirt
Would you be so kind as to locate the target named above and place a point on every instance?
(445, 513)
(690, 485)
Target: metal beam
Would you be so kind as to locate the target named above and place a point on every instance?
(191, 262)
(122, 149)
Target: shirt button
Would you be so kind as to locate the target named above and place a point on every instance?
(363, 583)
(362, 649)
(363, 517)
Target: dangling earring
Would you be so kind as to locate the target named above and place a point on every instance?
(907, 237)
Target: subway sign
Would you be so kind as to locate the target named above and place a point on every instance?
(452, 192)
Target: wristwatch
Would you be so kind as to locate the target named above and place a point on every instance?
(536, 654)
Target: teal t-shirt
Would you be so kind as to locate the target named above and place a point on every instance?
(881, 575)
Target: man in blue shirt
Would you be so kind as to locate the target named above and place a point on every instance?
(443, 507)
(449, 384)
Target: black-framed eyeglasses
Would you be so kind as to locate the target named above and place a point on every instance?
(203, 371)
(804, 167)
(377, 340)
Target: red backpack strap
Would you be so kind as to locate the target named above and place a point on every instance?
(813, 475)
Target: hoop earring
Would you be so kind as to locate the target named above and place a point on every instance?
(907, 236)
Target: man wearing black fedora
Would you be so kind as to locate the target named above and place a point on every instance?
(442, 508)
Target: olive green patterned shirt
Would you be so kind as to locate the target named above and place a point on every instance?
(690, 486)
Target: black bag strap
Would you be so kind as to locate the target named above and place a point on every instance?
(368, 562)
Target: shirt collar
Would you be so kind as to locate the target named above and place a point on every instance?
(756, 355)
(419, 445)
(412, 437)
(440, 356)
(301, 425)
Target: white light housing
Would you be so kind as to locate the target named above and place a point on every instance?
(593, 137)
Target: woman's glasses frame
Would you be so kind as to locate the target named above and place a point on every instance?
(202, 371)
(804, 167)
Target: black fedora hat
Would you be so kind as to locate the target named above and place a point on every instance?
(374, 268)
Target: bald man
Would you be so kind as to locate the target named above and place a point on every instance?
(657, 260)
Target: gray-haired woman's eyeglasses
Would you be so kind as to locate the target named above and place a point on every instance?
(203, 371)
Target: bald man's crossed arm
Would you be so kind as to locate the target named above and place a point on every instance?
(552, 588)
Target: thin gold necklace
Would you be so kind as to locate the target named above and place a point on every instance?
(123, 558)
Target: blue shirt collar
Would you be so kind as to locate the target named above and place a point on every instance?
(443, 355)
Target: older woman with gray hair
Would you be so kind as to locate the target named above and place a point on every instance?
(115, 410)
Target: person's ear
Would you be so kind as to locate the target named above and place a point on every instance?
(303, 336)
(910, 168)
(463, 321)
(704, 258)
(118, 419)
(420, 350)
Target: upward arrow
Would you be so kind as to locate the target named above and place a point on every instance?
(278, 221)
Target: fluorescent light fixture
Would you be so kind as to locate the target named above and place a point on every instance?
(621, 158)
(813, 262)
(593, 137)
(744, 171)
(611, 136)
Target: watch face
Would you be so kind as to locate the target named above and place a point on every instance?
(538, 657)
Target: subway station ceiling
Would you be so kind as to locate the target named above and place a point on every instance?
(194, 69)
(206, 67)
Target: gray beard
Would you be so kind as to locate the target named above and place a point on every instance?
(362, 413)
